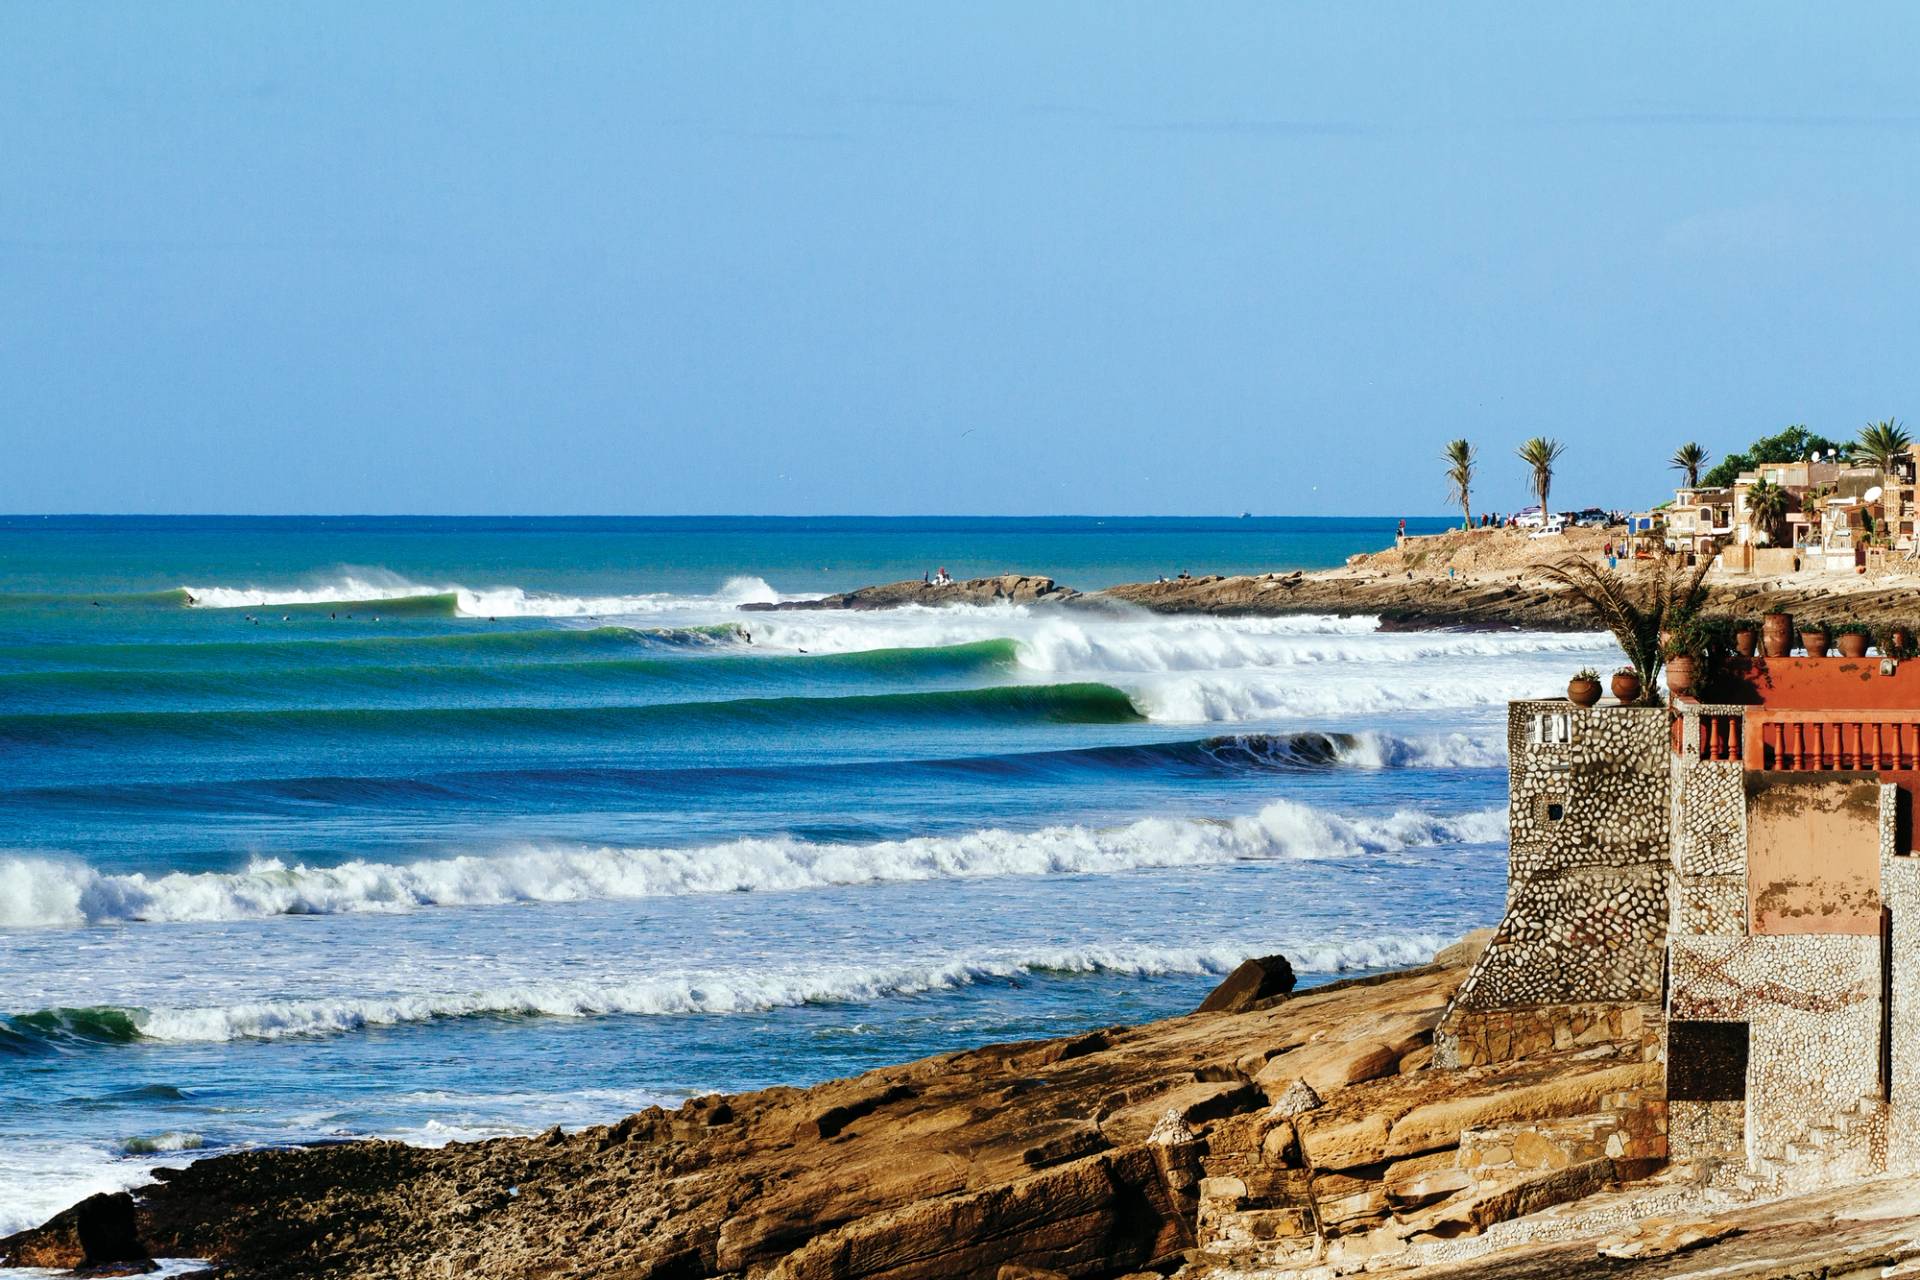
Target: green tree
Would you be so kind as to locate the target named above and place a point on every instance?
(1766, 508)
(1792, 444)
(1689, 458)
(1639, 608)
(1540, 454)
(1880, 443)
(1459, 457)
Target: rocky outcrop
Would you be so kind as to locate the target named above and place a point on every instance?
(1305, 1131)
(1008, 588)
(1262, 978)
(1033, 1154)
(100, 1234)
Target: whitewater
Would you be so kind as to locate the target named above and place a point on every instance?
(432, 829)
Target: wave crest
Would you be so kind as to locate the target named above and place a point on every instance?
(370, 586)
(41, 892)
(724, 993)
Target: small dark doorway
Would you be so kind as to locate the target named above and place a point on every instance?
(1707, 1061)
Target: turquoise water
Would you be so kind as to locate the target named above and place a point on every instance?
(435, 828)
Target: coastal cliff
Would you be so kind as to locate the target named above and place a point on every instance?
(1259, 1136)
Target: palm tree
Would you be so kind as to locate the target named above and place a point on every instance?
(1880, 443)
(1689, 458)
(1541, 453)
(1459, 457)
(1766, 507)
(1636, 609)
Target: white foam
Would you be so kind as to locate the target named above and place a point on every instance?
(730, 993)
(486, 602)
(1370, 750)
(42, 1175)
(1239, 697)
(1199, 670)
(43, 891)
(1051, 641)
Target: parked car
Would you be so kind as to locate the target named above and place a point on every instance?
(1593, 518)
(1528, 518)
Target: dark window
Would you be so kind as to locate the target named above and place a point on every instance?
(1556, 812)
(1706, 1061)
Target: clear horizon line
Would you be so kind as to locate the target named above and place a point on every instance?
(703, 515)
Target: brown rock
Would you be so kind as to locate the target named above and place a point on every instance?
(1254, 981)
(99, 1232)
(1466, 952)
(949, 1167)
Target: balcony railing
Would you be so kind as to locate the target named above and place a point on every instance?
(1809, 744)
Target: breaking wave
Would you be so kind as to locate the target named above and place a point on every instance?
(158, 1143)
(724, 993)
(43, 892)
(1037, 704)
(375, 586)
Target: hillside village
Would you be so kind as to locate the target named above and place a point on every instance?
(1792, 503)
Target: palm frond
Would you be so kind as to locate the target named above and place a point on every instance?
(1636, 610)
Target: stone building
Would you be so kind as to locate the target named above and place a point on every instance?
(1735, 882)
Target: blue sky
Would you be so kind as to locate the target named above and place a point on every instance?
(916, 258)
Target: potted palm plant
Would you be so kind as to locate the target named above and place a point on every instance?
(1584, 689)
(1691, 642)
(1635, 608)
(1814, 639)
(1852, 639)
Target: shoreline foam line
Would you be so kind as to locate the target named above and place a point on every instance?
(718, 992)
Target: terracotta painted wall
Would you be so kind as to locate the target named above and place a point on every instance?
(1813, 853)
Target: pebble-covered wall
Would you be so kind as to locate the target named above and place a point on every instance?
(1808, 1005)
(1793, 1057)
(1587, 892)
(1900, 891)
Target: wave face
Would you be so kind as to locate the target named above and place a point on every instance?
(1059, 704)
(716, 993)
(370, 587)
(1199, 670)
(39, 891)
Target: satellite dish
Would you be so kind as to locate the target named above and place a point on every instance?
(1873, 494)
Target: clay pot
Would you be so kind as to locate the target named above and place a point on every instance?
(1679, 676)
(1626, 686)
(1852, 645)
(1746, 641)
(1583, 692)
(1902, 640)
(1776, 635)
(1815, 643)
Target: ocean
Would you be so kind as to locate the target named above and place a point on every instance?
(435, 829)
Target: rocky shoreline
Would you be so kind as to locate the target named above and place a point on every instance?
(1192, 1147)
(1406, 600)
